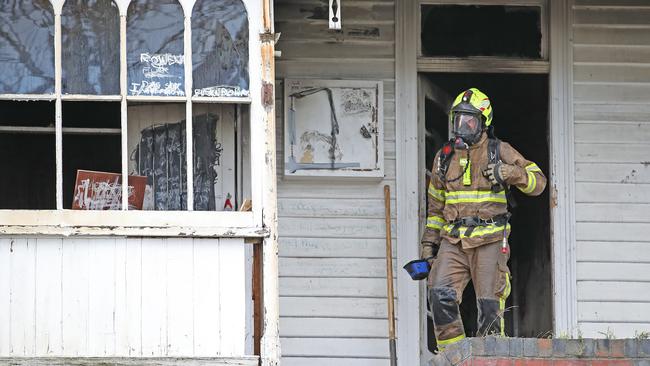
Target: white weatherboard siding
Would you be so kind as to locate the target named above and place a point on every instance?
(611, 59)
(119, 297)
(332, 247)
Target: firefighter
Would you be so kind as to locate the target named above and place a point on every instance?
(467, 218)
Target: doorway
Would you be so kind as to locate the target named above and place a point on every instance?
(520, 103)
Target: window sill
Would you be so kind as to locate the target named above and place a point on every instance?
(129, 223)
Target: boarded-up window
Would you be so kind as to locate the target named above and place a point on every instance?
(26, 47)
(155, 54)
(220, 48)
(90, 31)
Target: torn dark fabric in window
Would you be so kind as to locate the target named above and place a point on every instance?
(155, 56)
(26, 47)
(90, 31)
(220, 49)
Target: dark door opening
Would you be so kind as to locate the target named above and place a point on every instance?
(520, 103)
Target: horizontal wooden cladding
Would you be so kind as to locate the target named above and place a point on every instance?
(612, 173)
(612, 153)
(622, 15)
(607, 36)
(597, 231)
(357, 68)
(482, 65)
(370, 31)
(331, 287)
(333, 327)
(613, 132)
(613, 311)
(130, 361)
(611, 53)
(333, 189)
(334, 267)
(612, 192)
(317, 12)
(606, 329)
(610, 3)
(122, 297)
(333, 347)
(613, 212)
(329, 50)
(612, 73)
(317, 207)
(333, 247)
(614, 291)
(338, 361)
(613, 251)
(639, 112)
(333, 307)
(594, 271)
(333, 228)
(612, 93)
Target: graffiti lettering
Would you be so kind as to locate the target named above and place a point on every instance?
(154, 88)
(221, 91)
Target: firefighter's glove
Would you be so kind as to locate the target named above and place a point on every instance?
(500, 173)
(429, 251)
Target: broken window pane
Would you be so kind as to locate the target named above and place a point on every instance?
(214, 138)
(92, 142)
(90, 31)
(156, 145)
(155, 58)
(220, 49)
(483, 30)
(27, 155)
(26, 47)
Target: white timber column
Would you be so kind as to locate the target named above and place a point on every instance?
(562, 178)
(270, 347)
(408, 291)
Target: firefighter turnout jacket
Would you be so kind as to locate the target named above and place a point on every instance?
(451, 201)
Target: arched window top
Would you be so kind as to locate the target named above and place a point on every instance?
(26, 47)
(155, 55)
(90, 31)
(220, 49)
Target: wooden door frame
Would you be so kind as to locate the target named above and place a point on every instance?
(561, 175)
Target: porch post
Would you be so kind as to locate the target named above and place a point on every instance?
(562, 177)
(270, 347)
(408, 291)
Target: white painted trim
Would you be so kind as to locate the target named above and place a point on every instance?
(108, 218)
(133, 361)
(58, 113)
(124, 116)
(189, 126)
(562, 177)
(544, 13)
(408, 301)
(482, 65)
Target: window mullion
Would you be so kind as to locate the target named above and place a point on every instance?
(58, 119)
(189, 150)
(123, 115)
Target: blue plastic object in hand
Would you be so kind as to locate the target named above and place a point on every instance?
(418, 269)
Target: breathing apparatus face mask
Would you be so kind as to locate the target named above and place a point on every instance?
(467, 128)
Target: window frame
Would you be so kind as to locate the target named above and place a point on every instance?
(122, 222)
(477, 63)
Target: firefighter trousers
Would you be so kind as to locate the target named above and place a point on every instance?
(452, 269)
